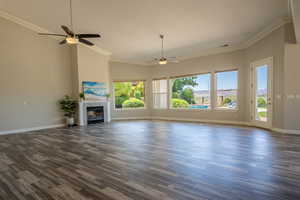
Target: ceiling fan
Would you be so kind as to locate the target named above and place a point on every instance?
(70, 36)
(164, 60)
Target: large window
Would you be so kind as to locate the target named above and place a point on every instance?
(192, 92)
(160, 94)
(227, 85)
(129, 94)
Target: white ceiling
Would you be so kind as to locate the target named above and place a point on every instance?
(130, 28)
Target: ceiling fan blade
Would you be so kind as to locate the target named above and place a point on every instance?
(52, 34)
(173, 59)
(85, 42)
(63, 42)
(67, 30)
(88, 35)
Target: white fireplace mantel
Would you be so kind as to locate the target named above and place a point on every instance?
(83, 110)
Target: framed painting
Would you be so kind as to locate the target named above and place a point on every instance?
(94, 90)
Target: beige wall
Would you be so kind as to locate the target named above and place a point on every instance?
(124, 72)
(270, 46)
(292, 87)
(34, 73)
(92, 66)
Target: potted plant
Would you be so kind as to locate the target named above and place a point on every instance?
(107, 96)
(68, 106)
(81, 96)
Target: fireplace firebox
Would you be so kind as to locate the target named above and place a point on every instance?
(95, 114)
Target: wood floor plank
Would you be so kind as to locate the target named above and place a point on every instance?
(150, 160)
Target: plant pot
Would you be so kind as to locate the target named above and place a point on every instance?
(70, 121)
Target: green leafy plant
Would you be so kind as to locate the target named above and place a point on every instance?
(261, 102)
(188, 95)
(81, 96)
(133, 103)
(68, 106)
(108, 95)
(179, 103)
(127, 90)
(227, 100)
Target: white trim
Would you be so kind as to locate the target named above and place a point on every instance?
(265, 32)
(202, 121)
(269, 62)
(30, 129)
(130, 118)
(39, 29)
(286, 131)
(215, 90)
(130, 109)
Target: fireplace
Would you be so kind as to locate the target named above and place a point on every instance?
(94, 114)
(91, 112)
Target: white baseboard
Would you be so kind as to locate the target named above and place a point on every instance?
(286, 131)
(203, 121)
(130, 118)
(30, 129)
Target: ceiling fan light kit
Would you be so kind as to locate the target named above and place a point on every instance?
(72, 40)
(162, 61)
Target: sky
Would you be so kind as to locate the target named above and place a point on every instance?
(229, 80)
(262, 77)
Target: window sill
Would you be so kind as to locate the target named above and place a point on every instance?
(129, 109)
(226, 110)
(191, 109)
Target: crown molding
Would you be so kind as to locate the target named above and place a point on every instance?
(266, 31)
(39, 29)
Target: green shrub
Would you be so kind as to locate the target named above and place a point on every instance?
(227, 100)
(175, 95)
(179, 103)
(133, 103)
(261, 102)
(120, 100)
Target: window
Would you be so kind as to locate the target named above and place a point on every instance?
(160, 94)
(191, 92)
(129, 94)
(227, 85)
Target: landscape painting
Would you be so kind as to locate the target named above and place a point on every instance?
(94, 90)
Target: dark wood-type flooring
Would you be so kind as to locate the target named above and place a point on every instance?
(150, 160)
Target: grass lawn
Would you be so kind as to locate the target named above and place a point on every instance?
(262, 114)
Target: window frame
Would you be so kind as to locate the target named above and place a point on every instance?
(215, 100)
(191, 109)
(129, 109)
(167, 93)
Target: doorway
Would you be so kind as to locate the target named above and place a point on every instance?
(261, 93)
